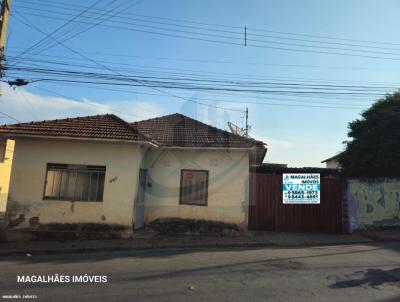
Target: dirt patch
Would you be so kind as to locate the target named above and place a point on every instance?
(17, 221)
(70, 231)
(34, 221)
(171, 226)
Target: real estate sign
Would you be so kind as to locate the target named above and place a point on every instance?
(301, 188)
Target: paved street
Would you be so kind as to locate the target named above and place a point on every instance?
(362, 272)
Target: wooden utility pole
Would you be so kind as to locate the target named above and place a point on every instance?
(4, 13)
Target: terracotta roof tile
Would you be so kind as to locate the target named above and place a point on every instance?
(106, 126)
(182, 131)
(170, 130)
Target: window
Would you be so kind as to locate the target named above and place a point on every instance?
(194, 187)
(74, 182)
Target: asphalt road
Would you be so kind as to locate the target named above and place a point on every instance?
(335, 273)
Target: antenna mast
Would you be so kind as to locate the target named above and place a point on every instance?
(246, 130)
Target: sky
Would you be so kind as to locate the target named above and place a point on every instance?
(299, 130)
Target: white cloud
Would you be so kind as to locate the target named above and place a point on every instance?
(27, 106)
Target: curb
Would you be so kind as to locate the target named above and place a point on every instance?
(180, 246)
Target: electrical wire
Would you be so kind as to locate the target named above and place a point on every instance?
(313, 47)
(28, 23)
(37, 44)
(71, 6)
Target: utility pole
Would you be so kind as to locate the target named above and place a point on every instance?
(245, 36)
(4, 13)
(246, 130)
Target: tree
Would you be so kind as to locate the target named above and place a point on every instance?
(374, 145)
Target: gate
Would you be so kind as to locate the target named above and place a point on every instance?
(267, 211)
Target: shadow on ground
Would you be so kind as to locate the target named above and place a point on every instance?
(370, 277)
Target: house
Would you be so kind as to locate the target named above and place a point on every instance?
(101, 170)
(332, 162)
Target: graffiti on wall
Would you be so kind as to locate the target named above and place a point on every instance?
(373, 203)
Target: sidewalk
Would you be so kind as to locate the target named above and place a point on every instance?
(251, 239)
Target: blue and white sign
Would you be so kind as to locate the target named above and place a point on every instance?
(301, 188)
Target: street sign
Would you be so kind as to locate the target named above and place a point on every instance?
(301, 188)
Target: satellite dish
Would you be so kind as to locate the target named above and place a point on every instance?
(236, 129)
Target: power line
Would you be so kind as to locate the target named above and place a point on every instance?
(328, 106)
(35, 45)
(86, 103)
(186, 21)
(107, 68)
(9, 116)
(143, 83)
(265, 44)
(244, 97)
(128, 5)
(30, 110)
(238, 34)
(201, 84)
(188, 72)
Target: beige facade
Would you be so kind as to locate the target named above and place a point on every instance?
(25, 200)
(227, 186)
(228, 183)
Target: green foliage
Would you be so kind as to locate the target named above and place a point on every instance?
(374, 145)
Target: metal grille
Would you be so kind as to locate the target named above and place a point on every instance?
(74, 182)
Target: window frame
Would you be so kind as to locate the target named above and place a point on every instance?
(67, 168)
(181, 201)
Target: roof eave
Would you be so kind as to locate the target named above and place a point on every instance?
(15, 135)
(205, 147)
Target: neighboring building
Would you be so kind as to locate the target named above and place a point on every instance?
(102, 170)
(332, 162)
(273, 165)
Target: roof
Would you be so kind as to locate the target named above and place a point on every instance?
(177, 130)
(333, 157)
(107, 126)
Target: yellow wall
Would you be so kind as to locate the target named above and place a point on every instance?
(28, 178)
(227, 192)
(5, 172)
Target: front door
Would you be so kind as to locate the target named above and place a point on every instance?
(140, 199)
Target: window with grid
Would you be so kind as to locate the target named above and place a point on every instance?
(74, 182)
(194, 187)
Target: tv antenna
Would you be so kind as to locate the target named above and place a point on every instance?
(240, 131)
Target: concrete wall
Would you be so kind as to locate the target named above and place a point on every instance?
(373, 202)
(5, 173)
(227, 191)
(31, 156)
(332, 164)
